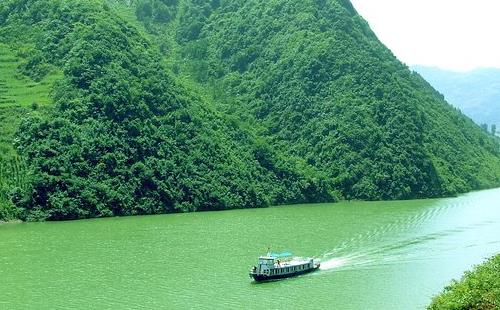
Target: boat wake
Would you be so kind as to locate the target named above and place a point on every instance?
(354, 260)
(408, 239)
(333, 263)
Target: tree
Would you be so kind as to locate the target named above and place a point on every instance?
(144, 10)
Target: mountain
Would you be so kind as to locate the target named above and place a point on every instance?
(158, 106)
(476, 93)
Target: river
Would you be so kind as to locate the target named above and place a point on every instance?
(375, 255)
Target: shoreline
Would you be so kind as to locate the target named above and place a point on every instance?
(16, 221)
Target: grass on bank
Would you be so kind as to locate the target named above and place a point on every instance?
(478, 289)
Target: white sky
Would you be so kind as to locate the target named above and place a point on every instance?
(451, 34)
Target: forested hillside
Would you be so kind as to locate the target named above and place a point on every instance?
(316, 81)
(157, 106)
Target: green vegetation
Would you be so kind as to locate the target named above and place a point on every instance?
(20, 97)
(478, 289)
(12, 175)
(125, 138)
(315, 81)
(182, 105)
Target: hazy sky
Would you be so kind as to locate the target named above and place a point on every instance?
(451, 34)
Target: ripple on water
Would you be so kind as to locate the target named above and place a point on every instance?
(406, 250)
(423, 240)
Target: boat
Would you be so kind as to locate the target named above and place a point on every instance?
(275, 266)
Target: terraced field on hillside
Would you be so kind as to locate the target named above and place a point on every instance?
(19, 97)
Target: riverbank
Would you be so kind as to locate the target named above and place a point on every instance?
(478, 289)
(10, 214)
(10, 222)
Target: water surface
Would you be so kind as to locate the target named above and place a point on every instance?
(376, 255)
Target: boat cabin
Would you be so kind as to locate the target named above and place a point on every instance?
(280, 266)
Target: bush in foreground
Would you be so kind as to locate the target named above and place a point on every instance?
(478, 289)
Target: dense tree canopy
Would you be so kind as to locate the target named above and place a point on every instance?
(183, 105)
(324, 89)
(125, 138)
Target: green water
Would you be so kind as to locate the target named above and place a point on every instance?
(376, 255)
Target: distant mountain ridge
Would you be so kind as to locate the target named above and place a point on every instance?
(476, 93)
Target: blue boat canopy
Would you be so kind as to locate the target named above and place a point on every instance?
(278, 255)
